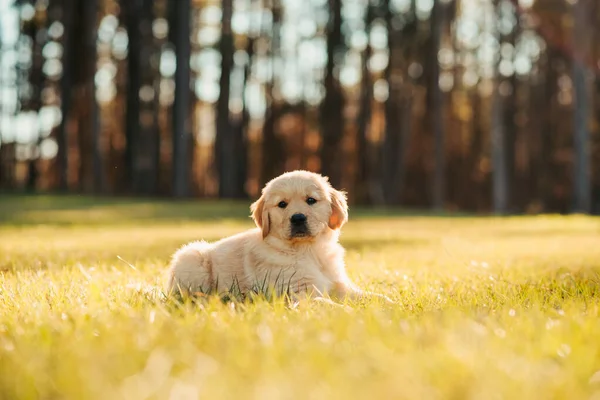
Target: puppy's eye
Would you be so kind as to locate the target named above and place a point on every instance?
(282, 204)
(310, 201)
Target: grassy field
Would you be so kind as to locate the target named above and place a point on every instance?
(489, 308)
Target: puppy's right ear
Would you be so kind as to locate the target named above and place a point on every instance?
(260, 217)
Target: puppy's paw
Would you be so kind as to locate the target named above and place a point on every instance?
(385, 299)
(307, 299)
(370, 296)
(329, 302)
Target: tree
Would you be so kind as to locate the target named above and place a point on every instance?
(436, 21)
(498, 143)
(363, 147)
(272, 146)
(229, 140)
(34, 30)
(510, 112)
(581, 139)
(396, 109)
(141, 125)
(243, 125)
(91, 176)
(66, 93)
(132, 11)
(181, 106)
(90, 17)
(332, 108)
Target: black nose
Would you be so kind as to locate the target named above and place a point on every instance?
(298, 219)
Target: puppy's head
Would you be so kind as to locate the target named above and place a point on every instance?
(299, 206)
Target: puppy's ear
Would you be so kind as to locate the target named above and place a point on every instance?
(260, 217)
(339, 209)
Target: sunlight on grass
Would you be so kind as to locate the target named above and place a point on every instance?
(487, 308)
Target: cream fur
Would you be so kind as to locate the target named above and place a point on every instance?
(311, 266)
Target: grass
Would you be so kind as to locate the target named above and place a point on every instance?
(488, 308)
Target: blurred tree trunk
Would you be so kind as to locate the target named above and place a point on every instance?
(437, 98)
(363, 146)
(80, 106)
(228, 145)
(332, 108)
(142, 135)
(388, 151)
(147, 153)
(510, 110)
(8, 163)
(595, 139)
(88, 134)
(498, 142)
(66, 93)
(182, 137)
(35, 30)
(8, 153)
(273, 151)
(509, 113)
(581, 44)
(395, 113)
(243, 125)
(474, 152)
(535, 126)
(549, 131)
(90, 16)
(133, 11)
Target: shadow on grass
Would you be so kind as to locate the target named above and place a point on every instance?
(24, 210)
(378, 243)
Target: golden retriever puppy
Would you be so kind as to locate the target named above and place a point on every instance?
(294, 249)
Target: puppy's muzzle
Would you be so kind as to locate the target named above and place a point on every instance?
(299, 228)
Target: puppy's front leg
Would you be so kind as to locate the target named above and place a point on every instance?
(381, 296)
(306, 295)
(354, 293)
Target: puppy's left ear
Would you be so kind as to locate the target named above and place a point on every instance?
(339, 209)
(261, 218)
